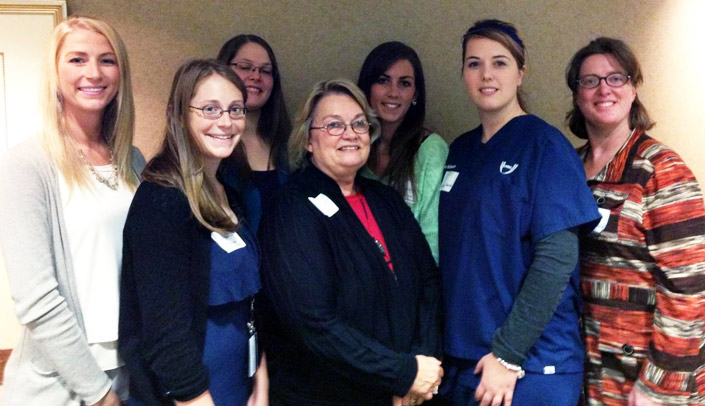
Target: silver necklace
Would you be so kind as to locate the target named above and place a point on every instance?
(112, 180)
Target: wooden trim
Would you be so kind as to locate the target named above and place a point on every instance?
(4, 355)
(55, 8)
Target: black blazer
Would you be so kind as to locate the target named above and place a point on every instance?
(338, 326)
(164, 296)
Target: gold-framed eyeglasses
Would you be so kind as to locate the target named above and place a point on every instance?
(214, 112)
(335, 128)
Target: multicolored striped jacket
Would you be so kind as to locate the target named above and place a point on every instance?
(643, 279)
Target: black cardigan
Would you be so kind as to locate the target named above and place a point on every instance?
(339, 327)
(164, 296)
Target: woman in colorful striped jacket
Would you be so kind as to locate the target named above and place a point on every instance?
(643, 267)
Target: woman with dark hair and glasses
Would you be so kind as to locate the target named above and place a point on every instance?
(512, 199)
(643, 267)
(190, 266)
(407, 156)
(259, 164)
(350, 289)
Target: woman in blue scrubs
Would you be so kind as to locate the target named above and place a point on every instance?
(512, 199)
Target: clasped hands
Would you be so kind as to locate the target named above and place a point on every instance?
(428, 379)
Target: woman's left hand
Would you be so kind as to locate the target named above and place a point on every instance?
(260, 388)
(406, 401)
(497, 383)
(637, 398)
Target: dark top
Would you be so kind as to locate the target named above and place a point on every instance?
(164, 295)
(254, 192)
(340, 327)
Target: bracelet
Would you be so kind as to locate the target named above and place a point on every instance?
(514, 368)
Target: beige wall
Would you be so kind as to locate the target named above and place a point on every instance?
(322, 39)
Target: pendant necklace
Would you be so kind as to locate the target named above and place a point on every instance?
(110, 181)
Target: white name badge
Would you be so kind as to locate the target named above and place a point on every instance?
(605, 213)
(449, 179)
(229, 242)
(324, 204)
(252, 355)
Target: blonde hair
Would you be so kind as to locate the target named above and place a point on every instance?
(179, 164)
(298, 141)
(118, 117)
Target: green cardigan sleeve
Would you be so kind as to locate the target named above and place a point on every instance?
(428, 171)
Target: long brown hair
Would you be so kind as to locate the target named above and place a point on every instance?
(274, 124)
(179, 163)
(408, 137)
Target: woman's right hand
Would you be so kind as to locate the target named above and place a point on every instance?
(428, 377)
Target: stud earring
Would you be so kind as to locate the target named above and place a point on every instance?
(413, 102)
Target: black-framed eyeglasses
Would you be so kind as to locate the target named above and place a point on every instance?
(612, 80)
(215, 112)
(246, 68)
(360, 126)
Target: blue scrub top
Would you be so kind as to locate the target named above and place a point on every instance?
(234, 280)
(524, 184)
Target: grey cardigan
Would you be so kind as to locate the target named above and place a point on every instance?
(52, 363)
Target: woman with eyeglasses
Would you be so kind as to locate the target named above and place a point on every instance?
(350, 288)
(512, 200)
(407, 156)
(190, 266)
(268, 126)
(643, 267)
(64, 196)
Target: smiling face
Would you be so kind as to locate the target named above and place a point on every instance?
(259, 85)
(88, 72)
(604, 107)
(492, 76)
(216, 138)
(393, 92)
(341, 156)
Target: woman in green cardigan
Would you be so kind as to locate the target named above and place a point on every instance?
(407, 156)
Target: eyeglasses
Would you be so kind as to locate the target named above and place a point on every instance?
(360, 126)
(214, 112)
(246, 68)
(612, 80)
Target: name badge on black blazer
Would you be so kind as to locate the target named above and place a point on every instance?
(324, 204)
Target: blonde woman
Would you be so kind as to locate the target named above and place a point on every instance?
(64, 196)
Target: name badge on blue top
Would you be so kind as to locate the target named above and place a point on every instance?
(449, 179)
(229, 242)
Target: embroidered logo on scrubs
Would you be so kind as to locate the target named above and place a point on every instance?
(506, 169)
